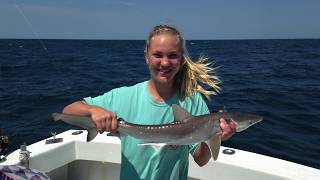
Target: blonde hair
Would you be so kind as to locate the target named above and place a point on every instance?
(193, 75)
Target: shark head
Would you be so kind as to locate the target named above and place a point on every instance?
(244, 121)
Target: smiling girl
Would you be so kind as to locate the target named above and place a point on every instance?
(174, 79)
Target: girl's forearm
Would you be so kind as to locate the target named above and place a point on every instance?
(78, 108)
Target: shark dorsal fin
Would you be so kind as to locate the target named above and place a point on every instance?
(179, 113)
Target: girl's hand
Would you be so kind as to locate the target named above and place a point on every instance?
(104, 120)
(228, 128)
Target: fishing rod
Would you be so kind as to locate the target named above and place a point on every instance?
(4, 140)
(30, 26)
(36, 36)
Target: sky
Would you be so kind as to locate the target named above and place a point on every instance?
(128, 19)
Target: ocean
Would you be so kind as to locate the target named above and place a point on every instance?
(277, 79)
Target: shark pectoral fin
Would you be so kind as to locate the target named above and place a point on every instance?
(179, 113)
(114, 134)
(92, 133)
(214, 146)
(156, 146)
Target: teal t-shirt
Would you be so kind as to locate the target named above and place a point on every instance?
(135, 105)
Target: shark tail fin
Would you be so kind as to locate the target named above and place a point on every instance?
(56, 116)
(214, 146)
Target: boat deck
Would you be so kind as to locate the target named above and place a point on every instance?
(74, 158)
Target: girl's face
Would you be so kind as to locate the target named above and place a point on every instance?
(164, 58)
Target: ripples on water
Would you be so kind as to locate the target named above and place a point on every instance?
(278, 79)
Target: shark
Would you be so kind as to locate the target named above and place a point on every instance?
(185, 129)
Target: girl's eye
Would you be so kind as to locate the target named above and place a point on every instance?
(173, 56)
(157, 55)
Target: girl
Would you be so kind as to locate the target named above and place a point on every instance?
(174, 79)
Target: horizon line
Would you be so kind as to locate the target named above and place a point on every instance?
(87, 39)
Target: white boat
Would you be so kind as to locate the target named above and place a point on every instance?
(74, 158)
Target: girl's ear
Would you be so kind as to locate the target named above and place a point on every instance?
(146, 58)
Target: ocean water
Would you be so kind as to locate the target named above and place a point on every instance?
(277, 79)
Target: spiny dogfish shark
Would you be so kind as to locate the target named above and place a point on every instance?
(186, 129)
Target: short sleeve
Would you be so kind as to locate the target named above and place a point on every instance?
(104, 101)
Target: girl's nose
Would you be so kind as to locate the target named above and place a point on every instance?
(165, 61)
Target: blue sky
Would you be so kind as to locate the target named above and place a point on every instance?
(125, 19)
